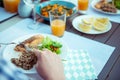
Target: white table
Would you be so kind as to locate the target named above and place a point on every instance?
(73, 41)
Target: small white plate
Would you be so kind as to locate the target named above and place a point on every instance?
(78, 20)
(9, 52)
(94, 2)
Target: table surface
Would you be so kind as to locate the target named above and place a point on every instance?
(112, 38)
(112, 67)
(111, 70)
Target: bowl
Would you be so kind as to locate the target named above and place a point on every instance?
(63, 3)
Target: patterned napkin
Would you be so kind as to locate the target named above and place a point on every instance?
(78, 66)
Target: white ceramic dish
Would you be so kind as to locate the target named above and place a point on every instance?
(93, 3)
(78, 20)
(9, 52)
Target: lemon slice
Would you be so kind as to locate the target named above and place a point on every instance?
(103, 20)
(88, 20)
(99, 26)
(85, 27)
(101, 23)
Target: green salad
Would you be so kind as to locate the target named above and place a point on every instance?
(116, 3)
(48, 43)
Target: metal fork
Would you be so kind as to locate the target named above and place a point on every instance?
(26, 47)
(7, 43)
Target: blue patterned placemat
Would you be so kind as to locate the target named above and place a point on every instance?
(78, 66)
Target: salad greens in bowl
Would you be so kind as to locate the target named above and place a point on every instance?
(43, 8)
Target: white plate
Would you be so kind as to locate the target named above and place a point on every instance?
(96, 1)
(78, 20)
(9, 52)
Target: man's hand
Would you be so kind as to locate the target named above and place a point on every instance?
(49, 65)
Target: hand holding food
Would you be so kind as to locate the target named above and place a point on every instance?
(49, 65)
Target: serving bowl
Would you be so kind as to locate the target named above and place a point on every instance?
(63, 3)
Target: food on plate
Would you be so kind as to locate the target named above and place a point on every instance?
(31, 42)
(26, 61)
(45, 10)
(39, 42)
(34, 41)
(48, 43)
(88, 20)
(86, 24)
(100, 24)
(98, 5)
(106, 6)
(27, 58)
(85, 27)
(19, 48)
(103, 20)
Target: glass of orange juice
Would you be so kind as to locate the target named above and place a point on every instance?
(83, 5)
(11, 5)
(57, 22)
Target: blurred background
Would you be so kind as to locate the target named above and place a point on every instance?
(1, 3)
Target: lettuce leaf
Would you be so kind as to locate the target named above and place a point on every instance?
(48, 43)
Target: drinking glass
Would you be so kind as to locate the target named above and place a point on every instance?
(33, 4)
(57, 22)
(83, 5)
(11, 5)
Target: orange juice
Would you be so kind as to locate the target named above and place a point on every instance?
(11, 5)
(83, 4)
(58, 27)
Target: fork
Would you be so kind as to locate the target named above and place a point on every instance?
(26, 47)
(7, 43)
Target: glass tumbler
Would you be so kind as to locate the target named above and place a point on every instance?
(11, 5)
(83, 5)
(57, 22)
